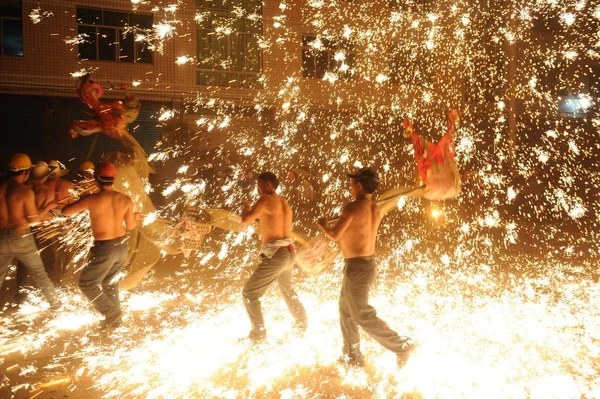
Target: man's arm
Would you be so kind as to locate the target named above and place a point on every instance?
(31, 211)
(250, 214)
(67, 192)
(131, 218)
(334, 233)
(76, 207)
(387, 206)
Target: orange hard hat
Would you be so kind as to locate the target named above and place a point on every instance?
(87, 166)
(19, 162)
(106, 171)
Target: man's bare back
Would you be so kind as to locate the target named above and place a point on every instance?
(110, 213)
(43, 194)
(17, 206)
(62, 190)
(360, 236)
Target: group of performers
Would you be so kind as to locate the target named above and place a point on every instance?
(112, 214)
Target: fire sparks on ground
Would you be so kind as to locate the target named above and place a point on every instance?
(478, 336)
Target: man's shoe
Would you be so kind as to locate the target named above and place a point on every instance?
(255, 338)
(351, 361)
(20, 298)
(402, 357)
(111, 322)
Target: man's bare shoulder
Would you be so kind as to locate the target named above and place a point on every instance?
(21, 189)
(282, 200)
(351, 207)
(122, 197)
(42, 188)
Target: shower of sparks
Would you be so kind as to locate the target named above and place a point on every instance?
(37, 15)
(490, 321)
(478, 336)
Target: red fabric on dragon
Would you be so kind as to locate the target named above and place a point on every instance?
(109, 118)
(436, 164)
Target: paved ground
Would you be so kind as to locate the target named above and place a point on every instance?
(514, 326)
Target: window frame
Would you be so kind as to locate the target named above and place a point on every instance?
(205, 32)
(12, 18)
(330, 52)
(138, 47)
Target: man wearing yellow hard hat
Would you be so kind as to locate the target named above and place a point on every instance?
(63, 189)
(17, 212)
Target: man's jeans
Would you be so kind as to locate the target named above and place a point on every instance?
(279, 267)
(98, 280)
(359, 275)
(22, 246)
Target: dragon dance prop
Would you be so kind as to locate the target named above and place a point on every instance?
(436, 164)
(439, 175)
(110, 118)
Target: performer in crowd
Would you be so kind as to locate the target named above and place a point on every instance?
(277, 254)
(356, 231)
(111, 213)
(17, 212)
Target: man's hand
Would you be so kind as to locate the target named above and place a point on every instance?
(51, 205)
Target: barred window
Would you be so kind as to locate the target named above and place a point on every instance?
(11, 28)
(320, 55)
(104, 37)
(228, 50)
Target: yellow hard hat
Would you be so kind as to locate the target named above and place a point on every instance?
(60, 169)
(19, 162)
(87, 166)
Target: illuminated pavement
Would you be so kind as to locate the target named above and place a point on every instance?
(479, 336)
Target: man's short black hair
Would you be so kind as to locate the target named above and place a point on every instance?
(104, 183)
(368, 178)
(268, 177)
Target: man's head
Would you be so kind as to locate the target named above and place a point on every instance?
(249, 173)
(267, 183)
(59, 170)
(40, 172)
(86, 169)
(105, 174)
(19, 167)
(364, 181)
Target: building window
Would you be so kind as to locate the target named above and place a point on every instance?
(321, 55)
(11, 27)
(228, 47)
(105, 37)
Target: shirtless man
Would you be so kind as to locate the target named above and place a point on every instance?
(85, 182)
(356, 231)
(63, 189)
(43, 194)
(110, 213)
(277, 254)
(17, 211)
